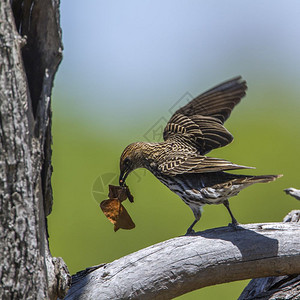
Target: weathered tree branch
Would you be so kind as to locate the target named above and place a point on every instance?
(186, 263)
(280, 287)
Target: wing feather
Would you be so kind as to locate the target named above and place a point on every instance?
(217, 102)
(181, 163)
(200, 122)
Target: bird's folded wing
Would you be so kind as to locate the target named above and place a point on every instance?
(182, 163)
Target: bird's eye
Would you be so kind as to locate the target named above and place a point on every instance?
(126, 161)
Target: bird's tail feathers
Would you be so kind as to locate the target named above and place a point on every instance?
(261, 178)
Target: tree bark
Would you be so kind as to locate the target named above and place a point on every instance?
(27, 269)
(187, 263)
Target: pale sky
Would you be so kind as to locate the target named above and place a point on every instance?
(126, 57)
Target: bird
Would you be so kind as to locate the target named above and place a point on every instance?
(180, 160)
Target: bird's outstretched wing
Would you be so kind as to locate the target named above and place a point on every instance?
(200, 122)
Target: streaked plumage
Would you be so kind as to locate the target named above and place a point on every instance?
(179, 161)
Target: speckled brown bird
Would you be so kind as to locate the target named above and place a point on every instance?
(179, 161)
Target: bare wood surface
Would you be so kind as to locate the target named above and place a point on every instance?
(187, 263)
(293, 192)
(29, 56)
(276, 287)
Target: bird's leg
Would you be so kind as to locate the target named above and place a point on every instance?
(197, 213)
(234, 222)
(190, 229)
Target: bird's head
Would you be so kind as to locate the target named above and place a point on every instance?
(131, 159)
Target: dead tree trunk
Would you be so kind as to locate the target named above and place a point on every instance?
(30, 52)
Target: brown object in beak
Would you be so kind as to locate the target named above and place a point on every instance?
(120, 192)
(129, 195)
(114, 210)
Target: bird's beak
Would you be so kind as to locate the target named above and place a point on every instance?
(123, 176)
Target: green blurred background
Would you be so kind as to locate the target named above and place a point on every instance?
(125, 66)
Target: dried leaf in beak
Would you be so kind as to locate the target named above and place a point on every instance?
(114, 210)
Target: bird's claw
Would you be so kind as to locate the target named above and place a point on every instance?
(234, 225)
(190, 232)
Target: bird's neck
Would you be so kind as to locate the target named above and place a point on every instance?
(149, 155)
